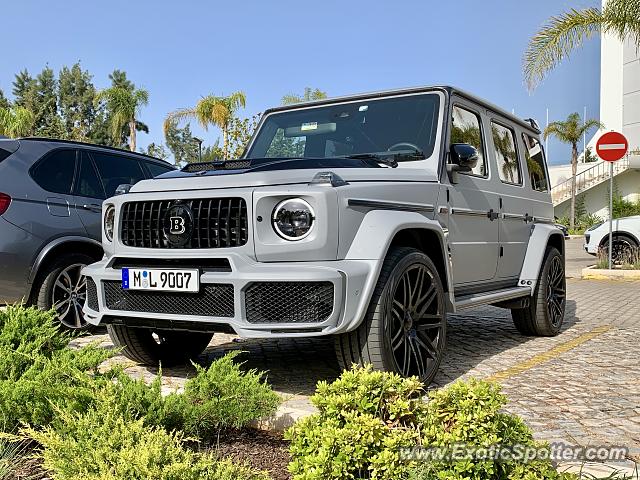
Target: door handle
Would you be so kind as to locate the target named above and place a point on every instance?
(92, 207)
(492, 215)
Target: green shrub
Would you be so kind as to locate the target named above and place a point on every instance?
(65, 379)
(470, 413)
(220, 396)
(101, 444)
(364, 418)
(26, 334)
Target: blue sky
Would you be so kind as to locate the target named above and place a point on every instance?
(180, 51)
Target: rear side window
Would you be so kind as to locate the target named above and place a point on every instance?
(465, 128)
(54, 172)
(156, 169)
(117, 170)
(504, 144)
(534, 155)
(88, 183)
(4, 154)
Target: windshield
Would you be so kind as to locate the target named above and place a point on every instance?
(385, 126)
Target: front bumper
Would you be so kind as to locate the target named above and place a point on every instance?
(353, 282)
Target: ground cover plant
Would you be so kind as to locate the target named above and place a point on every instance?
(103, 424)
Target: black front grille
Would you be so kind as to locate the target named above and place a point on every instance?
(92, 295)
(213, 300)
(217, 223)
(289, 302)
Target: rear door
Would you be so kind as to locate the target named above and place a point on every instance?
(89, 195)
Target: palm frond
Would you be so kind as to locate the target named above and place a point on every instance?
(236, 100)
(557, 39)
(177, 116)
(622, 18)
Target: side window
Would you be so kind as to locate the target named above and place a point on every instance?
(88, 183)
(156, 169)
(535, 163)
(504, 144)
(465, 128)
(116, 170)
(55, 172)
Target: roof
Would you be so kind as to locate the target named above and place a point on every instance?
(93, 145)
(449, 90)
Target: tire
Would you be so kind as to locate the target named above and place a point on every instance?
(623, 247)
(545, 313)
(158, 347)
(61, 287)
(391, 337)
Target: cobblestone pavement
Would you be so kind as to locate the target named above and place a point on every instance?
(581, 387)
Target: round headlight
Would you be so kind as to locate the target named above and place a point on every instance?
(293, 219)
(109, 220)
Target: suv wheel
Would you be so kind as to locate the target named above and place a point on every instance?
(64, 289)
(545, 313)
(623, 248)
(155, 347)
(404, 330)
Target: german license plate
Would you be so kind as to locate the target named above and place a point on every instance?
(169, 280)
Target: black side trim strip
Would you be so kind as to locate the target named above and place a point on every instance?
(379, 205)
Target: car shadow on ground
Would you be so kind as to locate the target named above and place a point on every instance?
(294, 366)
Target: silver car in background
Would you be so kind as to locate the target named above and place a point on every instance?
(51, 195)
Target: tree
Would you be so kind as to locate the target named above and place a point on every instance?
(211, 110)
(45, 108)
(181, 143)
(309, 94)
(157, 151)
(4, 103)
(16, 122)
(571, 131)
(240, 133)
(568, 31)
(24, 90)
(589, 157)
(76, 96)
(123, 105)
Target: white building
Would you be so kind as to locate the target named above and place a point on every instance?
(620, 111)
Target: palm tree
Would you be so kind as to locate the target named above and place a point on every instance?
(309, 94)
(16, 122)
(211, 110)
(571, 131)
(124, 105)
(567, 32)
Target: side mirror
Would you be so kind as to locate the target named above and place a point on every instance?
(122, 189)
(464, 156)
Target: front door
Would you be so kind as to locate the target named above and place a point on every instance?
(89, 194)
(473, 208)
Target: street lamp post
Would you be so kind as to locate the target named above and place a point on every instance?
(199, 142)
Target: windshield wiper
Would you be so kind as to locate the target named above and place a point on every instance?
(390, 159)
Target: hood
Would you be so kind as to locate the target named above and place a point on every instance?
(176, 181)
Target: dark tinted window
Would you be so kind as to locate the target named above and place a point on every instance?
(504, 144)
(117, 170)
(54, 173)
(398, 124)
(535, 163)
(88, 183)
(156, 169)
(465, 128)
(4, 154)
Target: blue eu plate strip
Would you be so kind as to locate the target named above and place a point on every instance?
(125, 278)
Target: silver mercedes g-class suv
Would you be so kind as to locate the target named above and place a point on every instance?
(369, 217)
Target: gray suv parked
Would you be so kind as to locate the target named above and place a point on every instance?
(369, 218)
(51, 195)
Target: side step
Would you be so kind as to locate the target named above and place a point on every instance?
(487, 298)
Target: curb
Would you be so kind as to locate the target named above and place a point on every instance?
(593, 273)
(626, 469)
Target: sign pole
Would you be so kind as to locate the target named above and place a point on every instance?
(610, 214)
(611, 147)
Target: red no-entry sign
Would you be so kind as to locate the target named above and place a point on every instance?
(612, 146)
